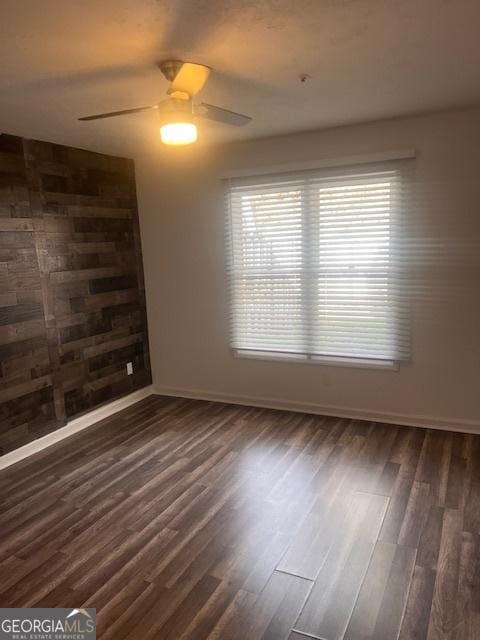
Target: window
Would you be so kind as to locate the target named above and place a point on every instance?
(314, 269)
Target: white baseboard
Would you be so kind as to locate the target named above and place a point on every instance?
(74, 426)
(428, 422)
(410, 420)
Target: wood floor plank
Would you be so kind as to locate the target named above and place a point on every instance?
(274, 611)
(333, 596)
(419, 603)
(367, 607)
(430, 538)
(393, 603)
(189, 520)
(445, 617)
(415, 515)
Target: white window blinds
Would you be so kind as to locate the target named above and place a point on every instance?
(313, 263)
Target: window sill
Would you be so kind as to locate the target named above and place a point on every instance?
(352, 363)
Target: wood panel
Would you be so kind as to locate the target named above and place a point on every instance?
(26, 393)
(189, 520)
(72, 300)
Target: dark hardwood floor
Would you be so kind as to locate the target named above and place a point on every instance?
(185, 520)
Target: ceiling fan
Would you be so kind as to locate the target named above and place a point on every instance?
(178, 113)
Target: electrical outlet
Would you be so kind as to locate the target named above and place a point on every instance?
(129, 368)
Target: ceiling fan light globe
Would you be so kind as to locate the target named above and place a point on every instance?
(178, 133)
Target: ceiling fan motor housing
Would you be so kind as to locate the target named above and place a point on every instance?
(173, 110)
(170, 68)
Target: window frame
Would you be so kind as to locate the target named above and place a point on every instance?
(307, 358)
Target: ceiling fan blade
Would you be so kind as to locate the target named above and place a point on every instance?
(123, 112)
(189, 80)
(211, 112)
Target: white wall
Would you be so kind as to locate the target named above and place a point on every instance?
(182, 225)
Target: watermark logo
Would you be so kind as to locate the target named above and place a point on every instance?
(48, 624)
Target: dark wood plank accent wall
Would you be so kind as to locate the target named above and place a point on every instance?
(72, 298)
(26, 392)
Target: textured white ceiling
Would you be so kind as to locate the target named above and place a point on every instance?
(367, 59)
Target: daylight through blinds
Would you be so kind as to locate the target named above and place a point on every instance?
(314, 263)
